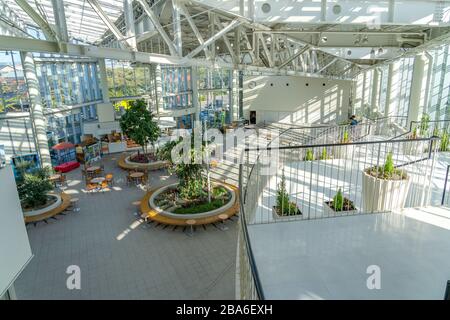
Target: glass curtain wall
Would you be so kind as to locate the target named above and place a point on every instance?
(13, 87)
(439, 97)
(215, 96)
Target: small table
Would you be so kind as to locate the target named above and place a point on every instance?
(136, 175)
(191, 223)
(98, 180)
(222, 225)
(93, 169)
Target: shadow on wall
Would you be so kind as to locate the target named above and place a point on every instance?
(17, 136)
(296, 99)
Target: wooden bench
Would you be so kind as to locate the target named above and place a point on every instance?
(149, 213)
(65, 203)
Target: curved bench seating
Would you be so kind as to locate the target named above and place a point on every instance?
(148, 166)
(148, 213)
(65, 203)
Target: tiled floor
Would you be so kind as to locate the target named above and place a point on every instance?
(329, 258)
(119, 258)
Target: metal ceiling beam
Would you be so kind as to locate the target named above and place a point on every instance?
(194, 28)
(111, 26)
(154, 19)
(60, 20)
(295, 56)
(327, 65)
(226, 41)
(40, 21)
(233, 24)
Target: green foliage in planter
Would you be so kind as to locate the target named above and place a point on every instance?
(34, 187)
(309, 155)
(338, 201)
(444, 141)
(284, 206)
(388, 170)
(413, 134)
(138, 124)
(424, 125)
(324, 154)
(164, 152)
(199, 208)
(345, 137)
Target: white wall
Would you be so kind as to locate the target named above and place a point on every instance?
(298, 100)
(15, 250)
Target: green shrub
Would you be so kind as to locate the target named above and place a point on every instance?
(388, 167)
(324, 155)
(199, 208)
(444, 141)
(33, 189)
(424, 125)
(309, 155)
(284, 206)
(338, 201)
(345, 136)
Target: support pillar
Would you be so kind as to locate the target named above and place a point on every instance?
(195, 102)
(375, 99)
(129, 22)
(60, 20)
(36, 109)
(418, 88)
(158, 87)
(390, 82)
(177, 27)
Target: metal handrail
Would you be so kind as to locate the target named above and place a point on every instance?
(445, 185)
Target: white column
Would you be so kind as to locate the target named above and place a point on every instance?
(105, 110)
(375, 91)
(60, 20)
(390, 82)
(177, 27)
(418, 88)
(36, 111)
(158, 84)
(129, 22)
(195, 103)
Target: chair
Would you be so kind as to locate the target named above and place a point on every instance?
(90, 187)
(109, 179)
(62, 179)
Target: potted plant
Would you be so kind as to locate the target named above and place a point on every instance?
(138, 124)
(344, 152)
(339, 205)
(34, 188)
(284, 207)
(444, 145)
(384, 187)
(309, 156)
(424, 125)
(324, 154)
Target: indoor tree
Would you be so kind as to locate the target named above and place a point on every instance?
(139, 124)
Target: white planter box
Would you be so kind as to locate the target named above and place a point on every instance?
(329, 212)
(414, 147)
(343, 152)
(381, 195)
(278, 217)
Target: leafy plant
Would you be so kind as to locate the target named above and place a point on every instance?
(309, 155)
(345, 136)
(414, 133)
(34, 187)
(424, 125)
(164, 152)
(388, 168)
(324, 154)
(284, 206)
(444, 141)
(138, 124)
(338, 201)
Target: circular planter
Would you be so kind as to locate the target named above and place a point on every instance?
(154, 165)
(380, 195)
(54, 205)
(194, 216)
